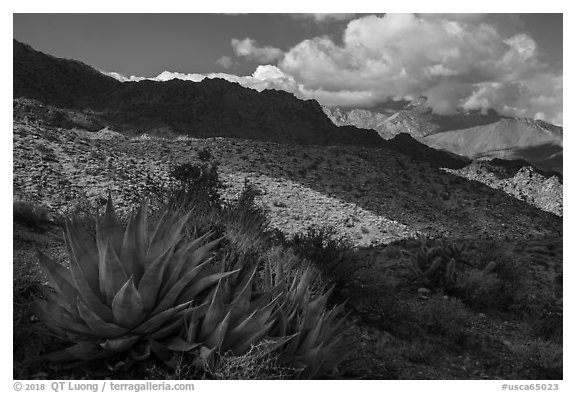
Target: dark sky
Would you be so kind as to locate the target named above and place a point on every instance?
(147, 44)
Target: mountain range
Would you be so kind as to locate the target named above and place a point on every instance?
(471, 134)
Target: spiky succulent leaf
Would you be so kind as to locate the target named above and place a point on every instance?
(112, 273)
(216, 338)
(59, 277)
(120, 344)
(108, 231)
(97, 325)
(82, 351)
(127, 305)
(83, 255)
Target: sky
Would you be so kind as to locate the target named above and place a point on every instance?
(509, 62)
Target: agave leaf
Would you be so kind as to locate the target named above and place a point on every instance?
(214, 314)
(120, 344)
(167, 234)
(134, 244)
(241, 303)
(112, 274)
(312, 336)
(154, 323)
(315, 311)
(334, 354)
(267, 278)
(281, 327)
(59, 301)
(151, 281)
(59, 277)
(202, 284)
(86, 291)
(127, 305)
(302, 288)
(179, 322)
(82, 350)
(50, 313)
(280, 277)
(108, 230)
(216, 338)
(96, 325)
(184, 252)
(251, 326)
(309, 356)
(84, 253)
(173, 294)
(178, 344)
(245, 343)
(188, 263)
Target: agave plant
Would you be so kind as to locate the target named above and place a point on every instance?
(317, 345)
(127, 290)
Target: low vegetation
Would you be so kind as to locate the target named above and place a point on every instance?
(192, 286)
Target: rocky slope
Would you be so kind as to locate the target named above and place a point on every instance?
(372, 196)
(544, 191)
(360, 118)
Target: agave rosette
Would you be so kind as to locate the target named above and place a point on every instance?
(129, 290)
(318, 343)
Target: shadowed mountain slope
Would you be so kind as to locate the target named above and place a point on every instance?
(213, 107)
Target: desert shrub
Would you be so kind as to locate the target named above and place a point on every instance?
(332, 255)
(479, 288)
(205, 154)
(544, 315)
(195, 185)
(255, 364)
(444, 316)
(546, 356)
(31, 215)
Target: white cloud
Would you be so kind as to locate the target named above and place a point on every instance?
(225, 62)
(454, 60)
(467, 61)
(248, 48)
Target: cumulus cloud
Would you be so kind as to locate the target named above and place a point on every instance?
(249, 49)
(224, 62)
(455, 60)
(474, 62)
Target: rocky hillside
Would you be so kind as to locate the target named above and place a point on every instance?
(60, 82)
(372, 196)
(544, 191)
(360, 118)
